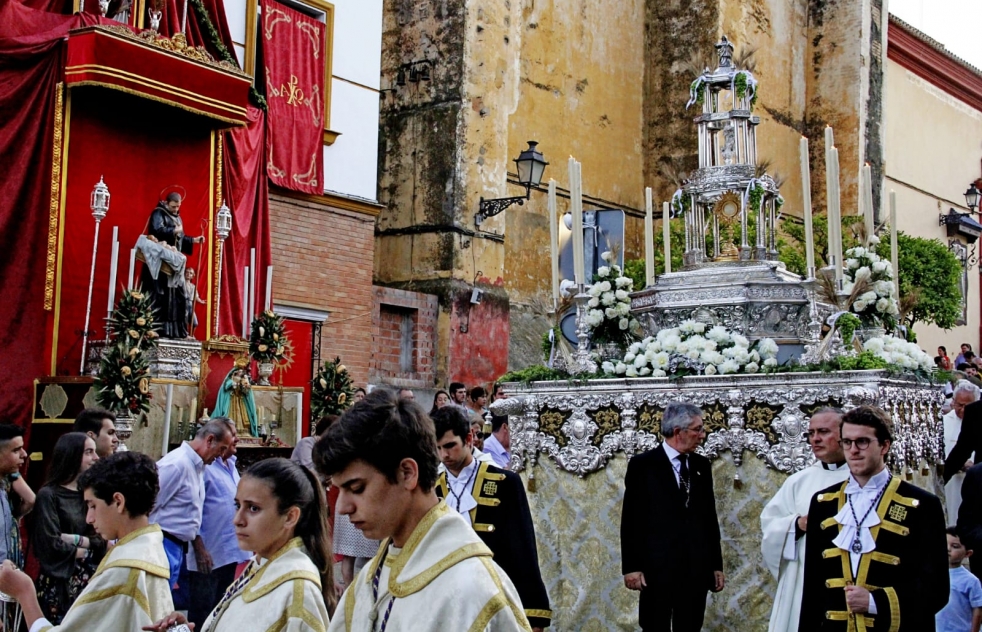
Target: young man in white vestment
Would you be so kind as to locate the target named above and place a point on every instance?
(281, 515)
(130, 588)
(432, 572)
(785, 518)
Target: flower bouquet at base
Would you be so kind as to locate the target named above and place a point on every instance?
(609, 308)
(267, 342)
(331, 390)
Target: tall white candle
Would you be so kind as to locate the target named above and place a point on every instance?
(829, 193)
(554, 243)
(649, 239)
(806, 198)
(252, 282)
(245, 302)
(868, 202)
(577, 210)
(894, 249)
(836, 218)
(666, 234)
(129, 280)
(269, 288)
(113, 264)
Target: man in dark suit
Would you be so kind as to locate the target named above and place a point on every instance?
(493, 501)
(876, 549)
(970, 516)
(670, 542)
(969, 441)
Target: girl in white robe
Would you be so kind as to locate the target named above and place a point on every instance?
(288, 585)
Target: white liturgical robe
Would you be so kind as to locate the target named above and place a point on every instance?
(442, 579)
(129, 590)
(281, 593)
(783, 555)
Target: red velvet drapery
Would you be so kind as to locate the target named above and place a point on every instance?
(31, 44)
(247, 195)
(293, 50)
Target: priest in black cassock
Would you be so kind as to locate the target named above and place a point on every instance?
(169, 301)
(493, 502)
(876, 555)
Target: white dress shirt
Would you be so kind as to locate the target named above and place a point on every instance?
(862, 499)
(182, 493)
(493, 447)
(460, 495)
(673, 458)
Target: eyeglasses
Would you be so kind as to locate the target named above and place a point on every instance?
(861, 444)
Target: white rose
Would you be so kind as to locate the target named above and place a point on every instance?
(623, 282)
(623, 324)
(693, 354)
(610, 313)
(631, 372)
(729, 366)
(883, 305)
(770, 362)
(873, 239)
(640, 361)
(608, 367)
(636, 348)
(593, 302)
(857, 252)
(607, 256)
(594, 290)
(698, 327)
(658, 373)
(863, 273)
(860, 305)
(620, 368)
(710, 370)
(880, 266)
(883, 288)
(740, 341)
(608, 298)
(644, 371)
(687, 327)
(751, 367)
(852, 263)
(869, 297)
(847, 286)
(629, 357)
(605, 286)
(623, 309)
(603, 271)
(621, 295)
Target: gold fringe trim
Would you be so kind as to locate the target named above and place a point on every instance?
(55, 200)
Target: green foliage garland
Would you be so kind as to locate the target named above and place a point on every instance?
(847, 324)
(123, 383)
(267, 342)
(331, 390)
(741, 89)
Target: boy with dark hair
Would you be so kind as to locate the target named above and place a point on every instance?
(432, 572)
(964, 609)
(16, 498)
(100, 425)
(130, 588)
(861, 531)
(498, 512)
(498, 442)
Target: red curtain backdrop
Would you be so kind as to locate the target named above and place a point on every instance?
(247, 196)
(293, 53)
(299, 372)
(31, 44)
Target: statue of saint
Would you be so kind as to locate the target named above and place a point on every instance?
(236, 402)
(164, 251)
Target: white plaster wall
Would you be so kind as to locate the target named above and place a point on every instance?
(933, 148)
(350, 164)
(358, 41)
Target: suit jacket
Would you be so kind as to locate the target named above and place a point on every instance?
(503, 521)
(969, 441)
(907, 572)
(970, 514)
(658, 532)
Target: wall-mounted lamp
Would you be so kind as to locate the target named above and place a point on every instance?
(961, 225)
(531, 165)
(972, 198)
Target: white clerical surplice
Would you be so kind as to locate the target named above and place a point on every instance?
(783, 553)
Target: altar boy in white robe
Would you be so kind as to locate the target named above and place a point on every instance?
(130, 589)
(432, 572)
(785, 518)
(281, 515)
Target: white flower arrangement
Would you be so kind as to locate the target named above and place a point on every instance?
(609, 317)
(876, 306)
(692, 349)
(899, 352)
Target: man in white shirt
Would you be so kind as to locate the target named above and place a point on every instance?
(498, 443)
(785, 518)
(181, 499)
(877, 551)
(964, 394)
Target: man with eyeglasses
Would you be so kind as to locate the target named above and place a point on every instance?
(785, 518)
(877, 550)
(965, 393)
(670, 541)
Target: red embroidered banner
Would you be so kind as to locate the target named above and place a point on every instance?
(294, 57)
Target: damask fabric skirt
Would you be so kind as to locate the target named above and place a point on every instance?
(56, 596)
(350, 542)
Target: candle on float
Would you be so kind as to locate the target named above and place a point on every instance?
(554, 243)
(649, 239)
(868, 202)
(577, 210)
(245, 302)
(806, 196)
(835, 217)
(113, 264)
(666, 234)
(894, 249)
(269, 288)
(252, 282)
(129, 280)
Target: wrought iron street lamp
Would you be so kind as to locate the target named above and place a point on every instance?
(531, 165)
(972, 198)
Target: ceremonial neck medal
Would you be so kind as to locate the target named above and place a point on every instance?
(857, 543)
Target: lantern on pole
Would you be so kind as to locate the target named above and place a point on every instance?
(223, 228)
(99, 204)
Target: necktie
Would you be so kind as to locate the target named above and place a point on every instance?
(684, 473)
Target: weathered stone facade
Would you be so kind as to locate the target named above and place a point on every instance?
(604, 82)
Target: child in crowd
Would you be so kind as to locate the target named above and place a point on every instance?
(119, 492)
(964, 609)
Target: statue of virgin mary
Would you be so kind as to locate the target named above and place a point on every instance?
(236, 402)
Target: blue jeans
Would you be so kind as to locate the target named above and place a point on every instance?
(180, 586)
